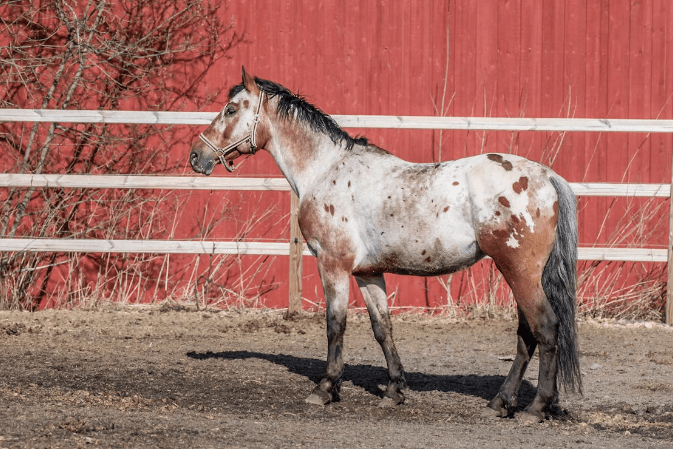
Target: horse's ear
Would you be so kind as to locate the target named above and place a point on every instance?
(249, 82)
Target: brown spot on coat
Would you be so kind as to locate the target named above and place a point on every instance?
(326, 208)
(331, 209)
(446, 208)
(520, 185)
(524, 182)
(495, 158)
(498, 159)
(428, 259)
(504, 201)
(423, 253)
(455, 183)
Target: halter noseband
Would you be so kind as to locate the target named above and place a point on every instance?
(223, 152)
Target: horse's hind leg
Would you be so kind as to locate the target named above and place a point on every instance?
(543, 327)
(506, 399)
(522, 268)
(374, 293)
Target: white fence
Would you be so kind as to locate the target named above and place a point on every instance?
(219, 247)
(276, 184)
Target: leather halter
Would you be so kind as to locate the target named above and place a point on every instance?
(223, 152)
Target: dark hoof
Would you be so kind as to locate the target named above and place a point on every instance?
(394, 395)
(319, 397)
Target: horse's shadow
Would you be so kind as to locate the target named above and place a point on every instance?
(370, 377)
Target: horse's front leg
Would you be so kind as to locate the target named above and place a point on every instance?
(336, 286)
(374, 293)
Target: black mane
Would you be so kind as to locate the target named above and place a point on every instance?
(293, 105)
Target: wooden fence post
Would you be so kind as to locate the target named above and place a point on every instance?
(669, 267)
(296, 250)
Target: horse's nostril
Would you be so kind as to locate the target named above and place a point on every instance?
(193, 157)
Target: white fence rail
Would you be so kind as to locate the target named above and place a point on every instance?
(272, 248)
(352, 121)
(279, 184)
(254, 248)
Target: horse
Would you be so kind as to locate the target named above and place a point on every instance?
(365, 212)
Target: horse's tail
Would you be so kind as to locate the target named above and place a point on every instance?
(559, 284)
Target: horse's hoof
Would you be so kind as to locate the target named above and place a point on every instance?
(388, 402)
(319, 398)
(493, 413)
(527, 418)
(497, 407)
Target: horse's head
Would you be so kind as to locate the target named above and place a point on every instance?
(234, 131)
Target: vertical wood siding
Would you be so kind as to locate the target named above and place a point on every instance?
(508, 58)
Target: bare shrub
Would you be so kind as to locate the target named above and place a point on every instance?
(148, 54)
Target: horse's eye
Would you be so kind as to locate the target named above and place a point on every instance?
(230, 110)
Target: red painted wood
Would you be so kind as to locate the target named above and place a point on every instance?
(530, 74)
(605, 58)
(661, 80)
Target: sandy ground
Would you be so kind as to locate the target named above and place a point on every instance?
(171, 378)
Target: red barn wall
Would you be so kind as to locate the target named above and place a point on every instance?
(501, 58)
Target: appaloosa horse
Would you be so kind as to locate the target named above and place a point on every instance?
(365, 212)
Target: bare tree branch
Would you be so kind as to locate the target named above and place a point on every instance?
(95, 54)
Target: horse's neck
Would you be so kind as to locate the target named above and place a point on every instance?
(303, 156)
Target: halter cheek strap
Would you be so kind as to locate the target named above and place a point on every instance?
(223, 152)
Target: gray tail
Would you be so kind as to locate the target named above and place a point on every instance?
(559, 284)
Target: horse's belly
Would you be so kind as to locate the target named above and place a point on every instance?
(421, 257)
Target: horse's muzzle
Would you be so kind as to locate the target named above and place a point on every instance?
(201, 164)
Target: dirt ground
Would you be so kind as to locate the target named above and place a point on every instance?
(165, 378)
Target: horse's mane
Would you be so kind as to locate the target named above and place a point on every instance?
(291, 105)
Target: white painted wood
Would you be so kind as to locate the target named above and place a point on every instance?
(92, 116)
(142, 182)
(616, 189)
(256, 248)
(506, 123)
(351, 121)
(147, 246)
(624, 254)
(232, 183)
